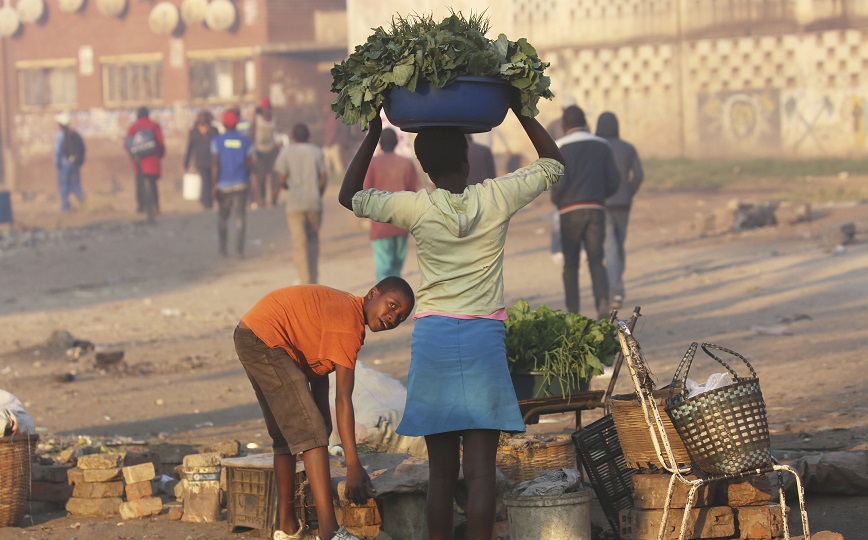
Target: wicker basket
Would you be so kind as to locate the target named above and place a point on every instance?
(522, 457)
(726, 429)
(639, 452)
(16, 455)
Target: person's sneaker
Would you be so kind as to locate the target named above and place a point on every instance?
(617, 301)
(301, 534)
(558, 257)
(344, 534)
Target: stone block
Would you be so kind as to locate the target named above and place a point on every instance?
(94, 507)
(226, 449)
(822, 535)
(57, 474)
(50, 492)
(100, 461)
(649, 491)
(139, 473)
(404, 516)
(176, 513)
(74, 476)
(98, 490)
(139, 490)
(172, 453)
(752, 491)
(101, 475)
(759, 522)
(709, 522)
(209, 459)
(151, 506)
(35, 508)
(137, 458)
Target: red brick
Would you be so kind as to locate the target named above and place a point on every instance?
(139, 490)
(107, 507)
(98, 490)
(141, 508)
(759, 522)
(56, 474)
(753, 491)
(649, 491)
(714, 522)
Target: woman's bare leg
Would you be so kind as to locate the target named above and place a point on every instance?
(480, 456)
(443, 467)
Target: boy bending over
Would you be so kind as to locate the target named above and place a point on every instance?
(288, 343)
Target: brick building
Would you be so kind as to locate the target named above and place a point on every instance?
(101, 59)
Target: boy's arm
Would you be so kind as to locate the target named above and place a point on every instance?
(359, 486)
(354, 179)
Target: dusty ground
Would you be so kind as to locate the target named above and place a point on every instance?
(782, 296)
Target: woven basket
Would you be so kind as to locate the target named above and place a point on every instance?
(639, 452)
(726, 429)
(522, 457)
(16, 455)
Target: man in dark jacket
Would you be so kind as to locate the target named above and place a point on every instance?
(590, 177)
(481, 162)
(199, 152)
(618, 205)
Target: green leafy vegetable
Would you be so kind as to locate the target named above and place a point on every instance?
(417, 47)
(566, 347)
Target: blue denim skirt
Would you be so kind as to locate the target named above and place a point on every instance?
(459, 378)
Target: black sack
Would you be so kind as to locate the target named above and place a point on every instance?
(142, 143)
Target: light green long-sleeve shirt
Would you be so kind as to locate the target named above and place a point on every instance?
(460, 237)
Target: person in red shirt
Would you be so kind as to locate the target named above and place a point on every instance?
(147, 168)
(288, 343)
(390, 172)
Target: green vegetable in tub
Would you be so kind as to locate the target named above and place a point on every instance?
(417, 47)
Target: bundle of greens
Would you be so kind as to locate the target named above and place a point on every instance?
(565, 347)
(417, 47)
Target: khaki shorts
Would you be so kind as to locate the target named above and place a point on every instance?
(294, 422)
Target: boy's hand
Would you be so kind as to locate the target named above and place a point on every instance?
(359, 486)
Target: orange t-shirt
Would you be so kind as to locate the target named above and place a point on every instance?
(317, 325)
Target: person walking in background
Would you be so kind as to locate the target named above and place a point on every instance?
(481, 162)
(199, 152)
(590, 177)
(556, 131)
(146, 148)
(390, 172)
(618, 205)
(264, 133)
(232, 160)
(458, 389)
(301, 169)
(69, 154)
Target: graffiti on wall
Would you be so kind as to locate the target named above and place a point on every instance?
(740, 122)
(820, 122)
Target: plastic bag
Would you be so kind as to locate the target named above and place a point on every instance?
(716, 380)
(11, 406)
(555, 482)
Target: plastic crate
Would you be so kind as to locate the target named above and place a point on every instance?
(251, 494)
(599, 451)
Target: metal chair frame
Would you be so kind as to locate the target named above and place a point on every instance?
(644, 387)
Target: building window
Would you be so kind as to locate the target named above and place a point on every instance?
(48, 86)
(222, 80)
(133, 83)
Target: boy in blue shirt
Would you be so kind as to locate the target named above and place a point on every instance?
(232, 159)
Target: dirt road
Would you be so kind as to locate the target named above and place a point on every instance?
(794, 305)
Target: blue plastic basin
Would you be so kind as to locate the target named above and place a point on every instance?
(473, 104)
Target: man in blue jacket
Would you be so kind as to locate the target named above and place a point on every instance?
(232, 160)
(590, 177)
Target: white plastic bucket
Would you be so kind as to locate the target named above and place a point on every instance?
(550, 517)
(192, 190)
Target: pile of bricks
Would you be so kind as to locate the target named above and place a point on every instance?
(101, 482)
(49, 488)
(737, 509)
